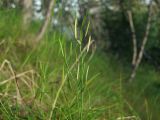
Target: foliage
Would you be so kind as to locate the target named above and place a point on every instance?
(119, 37)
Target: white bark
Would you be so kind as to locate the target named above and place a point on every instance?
(144, 41)
(134, 40)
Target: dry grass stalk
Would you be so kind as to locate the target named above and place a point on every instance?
(15, 77)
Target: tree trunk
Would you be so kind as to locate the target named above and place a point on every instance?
(145, 38)
(46, 21)
(158, 3)
(27, 12)
(134, 40)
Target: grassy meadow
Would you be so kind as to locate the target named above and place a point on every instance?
(59, 79)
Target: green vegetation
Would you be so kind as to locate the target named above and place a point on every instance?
(60, 78)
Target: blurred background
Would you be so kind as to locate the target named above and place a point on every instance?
(109, 25)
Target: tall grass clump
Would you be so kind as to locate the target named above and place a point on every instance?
(47, 82)
(58, 78)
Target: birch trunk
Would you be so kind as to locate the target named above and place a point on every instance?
(46, 21)
(134, 40)
(144, 41)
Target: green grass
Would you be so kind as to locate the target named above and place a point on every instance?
(63, 83)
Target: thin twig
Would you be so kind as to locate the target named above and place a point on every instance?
(13, 77)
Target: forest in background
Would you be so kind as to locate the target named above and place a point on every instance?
(85, 60)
